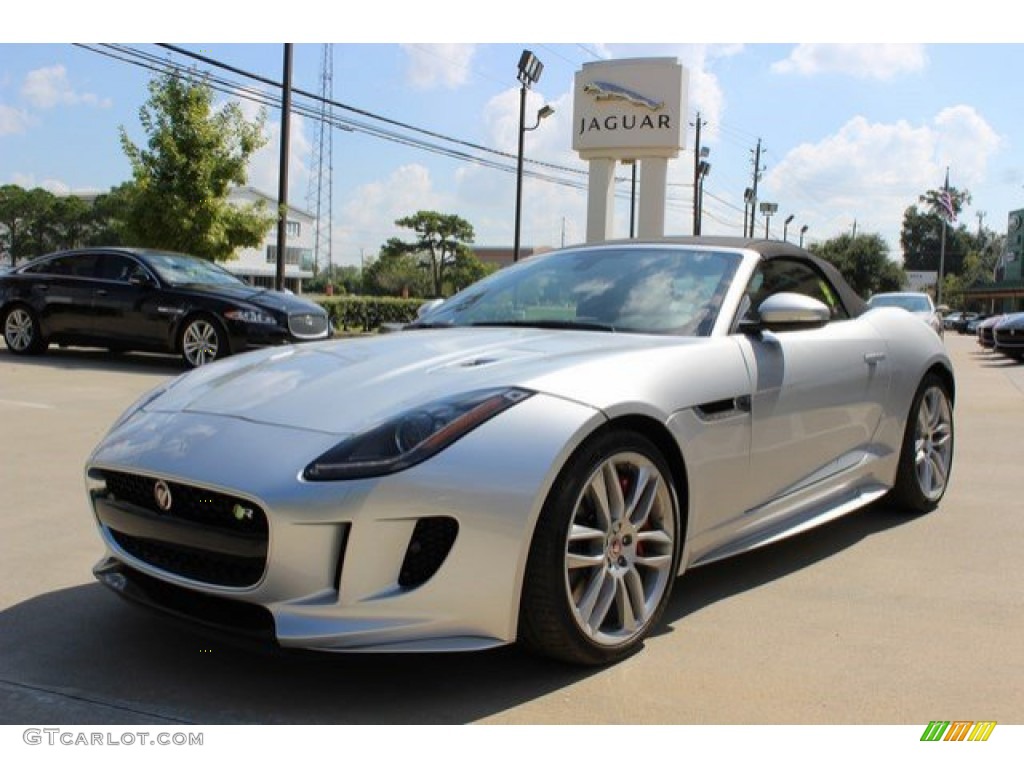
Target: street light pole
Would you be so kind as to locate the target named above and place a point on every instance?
(803, 231)
(703, 169)
(768, 209)
(530, 68)
(785, 227)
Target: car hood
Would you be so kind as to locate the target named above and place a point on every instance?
(1012, 320)
(344, 386)
(261, 297)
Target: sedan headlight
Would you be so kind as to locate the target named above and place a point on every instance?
(251, 316)
(412, 437)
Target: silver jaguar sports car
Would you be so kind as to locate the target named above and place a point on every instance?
(535, 460)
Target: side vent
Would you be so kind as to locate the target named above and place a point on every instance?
(431, 541)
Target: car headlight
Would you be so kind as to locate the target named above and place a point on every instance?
(251, 316)
(412, 437)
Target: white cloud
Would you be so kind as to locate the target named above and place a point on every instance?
(878, 61)
(367, 218)
(871, 172)
(264, 171)
(49, 87)
(12, 120)
(445, 65)
(965, 142)
(29, 181)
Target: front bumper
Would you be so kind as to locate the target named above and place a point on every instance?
(292, 330)
(337, 566)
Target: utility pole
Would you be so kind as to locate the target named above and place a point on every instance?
(753, 195)
(282, 190)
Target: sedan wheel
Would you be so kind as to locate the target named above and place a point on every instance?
(21, 332)
(605, 553)
(202, 342)
(926, 459)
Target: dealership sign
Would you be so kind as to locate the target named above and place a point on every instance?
(629, 108)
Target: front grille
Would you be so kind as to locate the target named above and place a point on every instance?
(196, 564)
(203, 535)
(308, 325)
(198, 505)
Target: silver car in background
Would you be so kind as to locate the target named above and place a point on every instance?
(536, 459)
(918, 304)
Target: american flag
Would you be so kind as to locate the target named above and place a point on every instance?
(946, 202)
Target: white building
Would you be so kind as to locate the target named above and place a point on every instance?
(258, 266)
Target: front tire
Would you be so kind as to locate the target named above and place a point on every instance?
(926, 456)
(22, 333)
(604, 555)
(202, 342)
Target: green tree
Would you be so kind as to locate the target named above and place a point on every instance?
(395, 272)
(863, 261)
(108, 224)
(467, 269)
(921, 233)
(194, 155)
(40, 220)
(979, 266)
(14, 212)
(73, 221)
(441, 237)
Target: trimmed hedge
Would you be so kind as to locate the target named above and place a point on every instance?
(367, 312)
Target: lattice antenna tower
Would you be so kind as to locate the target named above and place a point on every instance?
(319, 199)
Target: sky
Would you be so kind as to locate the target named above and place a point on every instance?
(852, 131)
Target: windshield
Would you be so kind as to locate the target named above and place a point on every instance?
(910, 302)
(179, 269)
(640, 290)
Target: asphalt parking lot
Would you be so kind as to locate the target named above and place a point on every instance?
(878, 618)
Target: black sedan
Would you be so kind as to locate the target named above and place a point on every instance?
(147, 300)
(1008, 336)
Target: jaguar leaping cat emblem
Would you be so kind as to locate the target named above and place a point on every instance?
(604, 91)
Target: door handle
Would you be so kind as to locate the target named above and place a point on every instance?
(874, 358)
(101, 291)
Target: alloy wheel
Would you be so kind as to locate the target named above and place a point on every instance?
(933, 443)
(200, 343)
(19, 330)
(619, 549)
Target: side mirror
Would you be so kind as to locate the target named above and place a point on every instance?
(942, 309)
(427, 306)
(787, 312)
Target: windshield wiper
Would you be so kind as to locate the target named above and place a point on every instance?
(571, 325)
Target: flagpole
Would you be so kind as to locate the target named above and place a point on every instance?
(942, 246)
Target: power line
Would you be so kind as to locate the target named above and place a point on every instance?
(237, 90)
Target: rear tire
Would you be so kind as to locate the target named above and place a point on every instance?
(604, 555)
(926, 456)
(22, 333)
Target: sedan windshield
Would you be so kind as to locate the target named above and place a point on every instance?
(661, 290)
(179, 269)
(908, 301)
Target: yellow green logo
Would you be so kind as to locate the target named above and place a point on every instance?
(958, 730)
